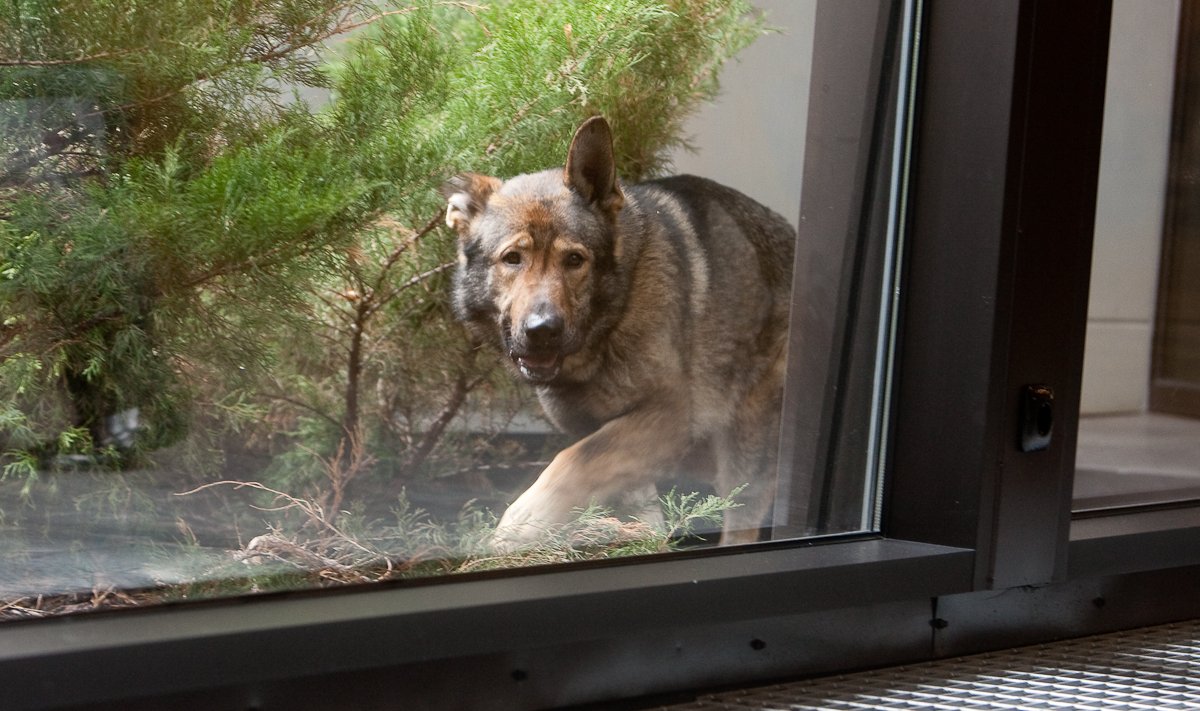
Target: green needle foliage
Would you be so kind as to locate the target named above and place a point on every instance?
(185, 235)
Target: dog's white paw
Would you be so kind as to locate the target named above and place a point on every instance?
(515, 531)
(530, 518)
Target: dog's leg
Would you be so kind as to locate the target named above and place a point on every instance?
(642, 504)
(624, 456)
(747, 455)
(751, 465)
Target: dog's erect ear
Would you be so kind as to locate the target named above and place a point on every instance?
(591, 170)
(466, 195)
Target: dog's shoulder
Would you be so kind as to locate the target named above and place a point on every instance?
(714, 214)
(699, 197)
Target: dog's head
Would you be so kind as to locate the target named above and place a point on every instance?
(535, 251)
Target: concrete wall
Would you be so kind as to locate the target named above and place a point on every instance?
(752, 137)
(1130, 201)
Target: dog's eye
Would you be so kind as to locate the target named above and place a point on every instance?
(575, 260)
(512, 258)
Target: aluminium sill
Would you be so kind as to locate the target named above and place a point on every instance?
(249, 640)
(1132, 541)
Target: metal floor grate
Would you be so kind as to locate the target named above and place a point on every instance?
(1147, 669)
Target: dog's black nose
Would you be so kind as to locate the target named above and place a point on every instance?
(543, 330)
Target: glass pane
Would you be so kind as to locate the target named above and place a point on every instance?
(295, 297)
(1139, 438)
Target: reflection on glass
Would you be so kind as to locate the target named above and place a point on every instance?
(236, 266)
(1139, 438)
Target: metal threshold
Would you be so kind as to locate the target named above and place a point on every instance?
(1148, 669)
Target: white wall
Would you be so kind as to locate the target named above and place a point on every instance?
(1129, 210)
(752, 137)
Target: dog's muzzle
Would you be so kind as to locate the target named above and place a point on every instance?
(537, 349)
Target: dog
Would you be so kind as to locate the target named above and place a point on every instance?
(650, 318)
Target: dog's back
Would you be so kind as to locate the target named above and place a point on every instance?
(737, 258)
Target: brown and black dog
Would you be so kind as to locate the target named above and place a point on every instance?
(651, 319)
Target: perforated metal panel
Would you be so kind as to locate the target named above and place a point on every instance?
(1148, 669)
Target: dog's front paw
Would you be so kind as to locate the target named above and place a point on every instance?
(517, 529)
(529, 520)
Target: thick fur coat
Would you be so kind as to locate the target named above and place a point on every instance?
(651, 319)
